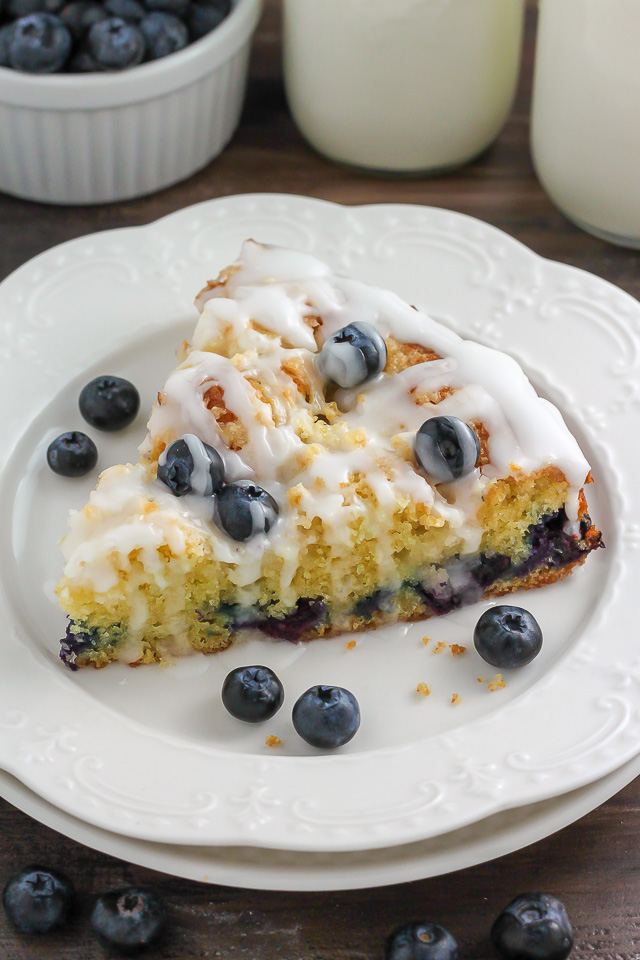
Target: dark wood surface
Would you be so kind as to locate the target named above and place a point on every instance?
(594, 865)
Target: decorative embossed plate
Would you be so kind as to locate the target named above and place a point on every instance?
(151, 753)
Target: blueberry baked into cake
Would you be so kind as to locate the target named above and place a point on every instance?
(325, 458)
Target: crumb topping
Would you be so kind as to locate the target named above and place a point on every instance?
(423, 689)
(273, 741)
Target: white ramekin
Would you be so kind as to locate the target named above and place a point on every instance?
(96, 138)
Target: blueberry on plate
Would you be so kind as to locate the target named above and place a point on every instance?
(326, 716)
(243, 509)
(421, 941)
(129, 920)
(177, 7)
(129, 10)
(115, 44)
(190, 466)
(203, 17)
(39, 43)
(163, 34)
(252, 694)
(353, 355)
(507, 636)
(108, 403)
(534, 926)
(446, 448)
(72, 454)
(79, 17)
(38, 900)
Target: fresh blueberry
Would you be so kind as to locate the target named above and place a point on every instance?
(79, 17)
(72, 454)
(353, 355)
(177, 7)
(421, 941)
(190, 466)
(252, 694)
(326, 716)
(507, 636)
(446, 448)
(22, 8)
(39, 43)
(108, 403)
(244, 509)
(38, 900)
(534, 926)
(5, 40)
(129, 10)
(204, 17)
(115, 45)
(163, 34)
(129, 920)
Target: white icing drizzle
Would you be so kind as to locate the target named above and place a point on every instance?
(275, 310)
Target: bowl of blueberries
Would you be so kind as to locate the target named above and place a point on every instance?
(105, 100)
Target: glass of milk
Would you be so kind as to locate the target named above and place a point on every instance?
(586, 113)
(402, 86)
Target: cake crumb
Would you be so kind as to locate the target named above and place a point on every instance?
(426, 640)
(455, 698)
(439, 647)
(482, 679)
(515, 467)
(457, 650)
(497, 683)
(424, 689)
(351, 644)
(272, 741)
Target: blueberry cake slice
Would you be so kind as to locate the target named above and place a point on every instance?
(325, 458)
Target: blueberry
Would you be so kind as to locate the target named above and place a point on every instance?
(353, 355)
(326, 716)
(129, 10)
(243, 509)
(204, 17)
(163, 34)
(72, 454)
(115, 45)
(5, 39)
(190, 466)
(39, 43)
(37, 900)
(446, 448)
(534, 926)
(128, 920)
(421, 941)
(108, 403)
(507, 636)
(79, 17)
(252, 694)
(22, 8)
(177, 7)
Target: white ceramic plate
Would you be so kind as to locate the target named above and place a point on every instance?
(151, 753)
(258, 869)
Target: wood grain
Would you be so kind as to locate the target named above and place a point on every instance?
(593, 865)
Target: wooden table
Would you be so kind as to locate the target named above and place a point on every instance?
(593, 865)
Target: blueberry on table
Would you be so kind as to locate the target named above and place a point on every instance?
(177, 7)
(353, 355)
(163, 34)
(38, 900)
(203, 17)
(39, 43)
(72, 454)
(190, 466)
(115, 45)
(129, 10)
(421, 941)
(108, 403)
(129, 920)
(534, 926)
(243, 509)
(507, 636)
(326, 717)
(252, 694)
(79, 17)
(446, 448)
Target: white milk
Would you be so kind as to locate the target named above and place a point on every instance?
(402, 85)
(586, 113)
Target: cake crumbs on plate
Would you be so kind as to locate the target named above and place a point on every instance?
(351, 645)
(439, 647)
(455, 698)
(481, 679)
(515, 467)
(273, 741)
(457, 649)
(426, 640)
(497, 683)
(424, 689)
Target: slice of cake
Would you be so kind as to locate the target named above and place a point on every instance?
(325, 458)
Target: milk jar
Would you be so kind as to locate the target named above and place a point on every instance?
(586, 113)
(406, 86)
